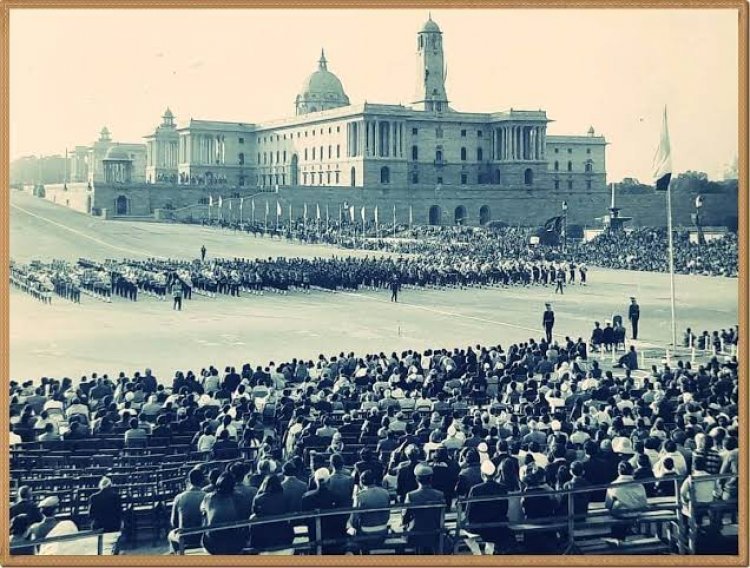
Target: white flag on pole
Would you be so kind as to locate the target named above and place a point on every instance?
(220, 202)
(376, 214)
(304, 212)
(663, 158)
(278, 209)
(411, 215)
(362, 214)
(210, 200)
(317, 211)
(351, 213)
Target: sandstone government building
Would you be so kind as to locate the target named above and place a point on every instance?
(427, 159)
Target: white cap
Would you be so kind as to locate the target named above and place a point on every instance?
(322, 474)
(487, 467)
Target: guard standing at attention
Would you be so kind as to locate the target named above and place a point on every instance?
(395, 287)
(203, 253)
(548, 321)
(177, 292)
(634, 314)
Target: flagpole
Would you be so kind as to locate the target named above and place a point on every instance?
(671, 264)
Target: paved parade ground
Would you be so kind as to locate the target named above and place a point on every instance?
(64, 339)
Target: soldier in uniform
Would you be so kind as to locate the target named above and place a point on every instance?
(560, 280)
(395, 287)
(203, 253)
(177, 291)
(634, 314)
(548, 321)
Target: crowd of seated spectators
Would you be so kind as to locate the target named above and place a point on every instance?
(415, 428)
(643, 249)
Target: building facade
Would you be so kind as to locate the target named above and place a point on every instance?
(426, 145)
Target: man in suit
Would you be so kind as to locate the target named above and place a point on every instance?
(105, 507)
(548, 322)
(294, 488)
(634, 314)
(425, 521)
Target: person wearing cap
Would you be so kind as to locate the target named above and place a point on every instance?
(373, 524)
(105, 507)
(322, 499)
(495, 511)
(548, 322)
(425, 521)
(48, 507)
(634, 314)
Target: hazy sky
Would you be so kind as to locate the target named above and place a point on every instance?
(73, 71)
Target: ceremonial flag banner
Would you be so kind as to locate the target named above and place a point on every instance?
(362, 214)
(351, 213)
(699, 202)
(376, 215)
(278, 209)
(394, 215)
(411, 215)
(663, 158)
(220, 202)
(266, 208)
(304, 212)
(230, 204)
(210, 200)
(317, 211)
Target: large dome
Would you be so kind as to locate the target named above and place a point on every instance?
(322, 90)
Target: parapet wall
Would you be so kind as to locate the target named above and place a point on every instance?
(512, 206)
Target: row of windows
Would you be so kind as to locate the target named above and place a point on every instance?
(570, 150)
(439, 154)
(311, 177)
(588, 167)
(278, 137)
(570, 184)
(439, 132)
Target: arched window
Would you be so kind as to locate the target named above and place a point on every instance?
(463, 154)
(438, 156)
(415, 153)
(385, 175)
(459, 215)
(589, 167)
(484, 214)
(480, 155)
(557, 166)
(353, 176)
(242, 158)
(570, 166)
(436, 215)
(528, 176)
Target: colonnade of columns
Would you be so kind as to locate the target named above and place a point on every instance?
(519, 142)
(383, 138)
(207, 149)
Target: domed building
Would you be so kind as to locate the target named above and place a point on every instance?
(322, 90)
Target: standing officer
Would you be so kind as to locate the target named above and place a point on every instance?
(203, 253)
(560, 278)
(395, 287)
(548, 321)
(177, 291)
(634, 314)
